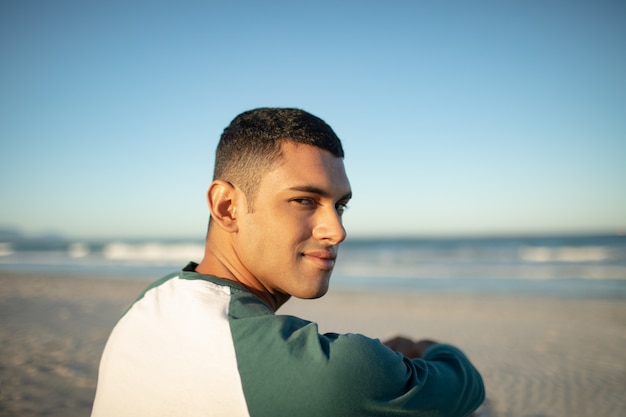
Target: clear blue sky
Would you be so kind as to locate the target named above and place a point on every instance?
(472, 117)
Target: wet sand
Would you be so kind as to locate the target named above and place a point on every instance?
(539, 356)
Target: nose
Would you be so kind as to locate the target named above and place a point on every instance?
(329, 228)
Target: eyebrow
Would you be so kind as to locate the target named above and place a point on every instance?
(319, 191)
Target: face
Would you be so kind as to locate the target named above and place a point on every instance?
(288, 243)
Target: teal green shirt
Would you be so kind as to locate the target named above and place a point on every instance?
(199, 345)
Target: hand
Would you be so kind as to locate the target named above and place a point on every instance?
(408, 347)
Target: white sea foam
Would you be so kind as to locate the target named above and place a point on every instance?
(152, 252)
(6, 249)
(78, 250)
(543, 254)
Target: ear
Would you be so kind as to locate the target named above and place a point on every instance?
(222, 199)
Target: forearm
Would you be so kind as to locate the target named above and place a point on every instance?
(453, 381)
(448, 381)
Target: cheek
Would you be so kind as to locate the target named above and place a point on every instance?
(279, 233)
(288, 222)
(264, 237)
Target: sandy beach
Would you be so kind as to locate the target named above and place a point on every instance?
(539, 356)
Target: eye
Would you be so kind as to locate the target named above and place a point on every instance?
(341, 208)
(307, 202)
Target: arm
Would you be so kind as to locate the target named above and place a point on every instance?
(305, 373)
(409, 348)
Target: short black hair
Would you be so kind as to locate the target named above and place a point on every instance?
(251, 144)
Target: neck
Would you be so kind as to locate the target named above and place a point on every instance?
(217, 264)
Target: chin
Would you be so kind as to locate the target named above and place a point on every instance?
(313, 293)
(320, 292)
(318, 295)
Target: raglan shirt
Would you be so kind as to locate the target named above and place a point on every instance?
(196, 345)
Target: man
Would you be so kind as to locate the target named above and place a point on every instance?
(206, 341)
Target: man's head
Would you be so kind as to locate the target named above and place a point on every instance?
(276, 204)
(252, 144)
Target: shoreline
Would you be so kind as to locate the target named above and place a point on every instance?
(614, 288)
(545, 355)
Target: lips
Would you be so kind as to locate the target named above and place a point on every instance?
(323, 259)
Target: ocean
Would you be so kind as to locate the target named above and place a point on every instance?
(569, 266)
